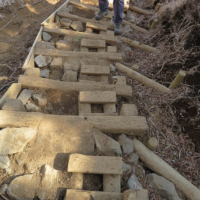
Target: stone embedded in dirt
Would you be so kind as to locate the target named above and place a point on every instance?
(14, 104)
(4, 162)
(25, 95)
(112, 68)
(40, 61)
(70, 76)
(48, 59)
(139, 171)
(13, 140)
(44, 73)
(126, 143)
(125, 167)
(70, 7)
(132, 19)
(77, 26)
(123, 15)
(133, 158)
(49, 46)
(49, 183)
(22, 158)
(63, 45)
(3, 188)
(70, 67)
(39, 100)
(24, 187)
(46, 37)
(56, 63)
(31, 107)
(133, 183)
(106, 145)
(164, 187)
(65, 22)
(127, 49)
(127, 28)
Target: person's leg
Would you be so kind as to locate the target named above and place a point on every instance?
(118, 6)
(103, 7)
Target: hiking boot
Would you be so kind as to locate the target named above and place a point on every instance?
(117, 29)
(100, 15)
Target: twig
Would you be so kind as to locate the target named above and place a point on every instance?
(3, 196)
(5, 65)
(164, 65)
(6, 24)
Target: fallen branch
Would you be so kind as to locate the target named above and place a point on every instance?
(142, 79)
(159, 166)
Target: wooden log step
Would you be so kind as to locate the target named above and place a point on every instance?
(96, 26)
(95, 164)
(92, 195)
(89, 43)
(110, 39)
(131, 125)
(98, 114)
(98, 97)
(61, 53)
(88, 81)
(37, 82)
(95, 69)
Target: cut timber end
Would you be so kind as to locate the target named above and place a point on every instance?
(95, 164)
(179, 78)
(154, 24)
(93, 43)
(92, 195)
(95, 70)
(96, 26)
(61, 53)
(98, 97)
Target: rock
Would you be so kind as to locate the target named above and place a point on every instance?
(14, 104)
(132, 19)
(46, 37)
(31, 107)
(127, 28)
(127, 49)
(70, 76)
(25, 95)
(4, 162)
(126, 143)
(125, 167)
(21, 159)
(136, 195)
(3, 188)
(24, 187)
(44, 73)
(165, 188)
(65, 22)
(70, 8)
(57, 19)
(13, 140)
(133, 183)
(77, 26)
(70, 67)
(152, 143)
(56, 63)
(49, 183)
(123, 54)
(123, 15)
(48, 59)
(139, 171)
(106, 145)
(32, 71)
(133, 158)
(63, 45)
(39, 100)
(112, 68)
(40, 61)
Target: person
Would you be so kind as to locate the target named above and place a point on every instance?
(118, 6)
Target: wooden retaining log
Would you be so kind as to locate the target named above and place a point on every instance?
(37, 82)
(179, 77)
(61, 53)
(142, 79)
(131, 125)
(109, 39)
(162, 168)
(138, 45)
(139, 10)
(133, 26)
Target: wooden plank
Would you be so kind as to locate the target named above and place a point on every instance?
(112, 49)
(88, 81)
(12, 93)
(96, 26)
(95, 69)
(93, 43)
(98, 114)
(37, 82)
(101, 97)
(131, 125)
(95, 164)
(110, 33)
(112, 183)
(109, 39)
(92, 195)
(30, 58)
(62, 53)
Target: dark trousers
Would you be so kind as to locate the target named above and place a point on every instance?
(118, 6)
